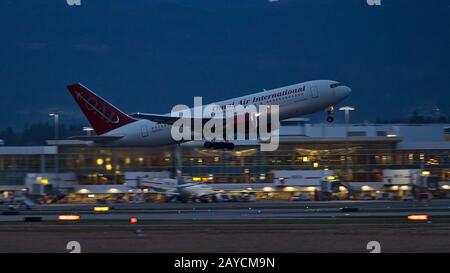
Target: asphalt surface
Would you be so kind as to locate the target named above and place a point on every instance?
(258, 227)
(240, 211)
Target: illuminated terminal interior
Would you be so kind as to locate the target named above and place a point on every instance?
(358, 153)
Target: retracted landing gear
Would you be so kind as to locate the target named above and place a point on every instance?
(218, 145)
(330, 111)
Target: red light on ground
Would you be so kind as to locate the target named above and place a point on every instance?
(68, 217)
(133, 220)
(418, 217)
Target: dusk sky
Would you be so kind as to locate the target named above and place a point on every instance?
(149, 55)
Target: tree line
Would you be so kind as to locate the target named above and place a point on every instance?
(38, 134)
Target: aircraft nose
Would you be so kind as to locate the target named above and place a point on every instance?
(344, 91)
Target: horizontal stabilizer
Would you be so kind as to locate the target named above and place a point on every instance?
(97, 138)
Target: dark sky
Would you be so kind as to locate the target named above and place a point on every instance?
(148, 55)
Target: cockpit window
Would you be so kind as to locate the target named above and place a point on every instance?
(334, 85)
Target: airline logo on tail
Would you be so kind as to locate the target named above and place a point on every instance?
(102, 115)
(93, 105)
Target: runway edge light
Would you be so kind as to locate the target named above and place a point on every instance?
(101, 209)
(133, 220)
(68, 217)
(418, 217)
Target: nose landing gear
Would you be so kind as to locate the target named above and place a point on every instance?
(330, 111)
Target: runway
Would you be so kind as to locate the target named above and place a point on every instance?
(257, 204)
(265, 210)
(257, 227)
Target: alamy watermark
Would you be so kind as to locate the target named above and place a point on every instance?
(73, 2)
(374, 247)
(374, 2)
(228, 122)
(369, 2)
(73, 247)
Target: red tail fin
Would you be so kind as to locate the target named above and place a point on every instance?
(102, 116)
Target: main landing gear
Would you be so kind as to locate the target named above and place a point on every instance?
(330, 111)
(218, 145)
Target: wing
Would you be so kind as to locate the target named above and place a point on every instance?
(156, 118)
(165, 119)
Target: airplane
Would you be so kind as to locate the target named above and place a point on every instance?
(115, 128)
(183, 191)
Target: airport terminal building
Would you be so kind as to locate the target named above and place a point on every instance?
(356, 153)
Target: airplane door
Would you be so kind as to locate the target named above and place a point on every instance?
(314, 92)
(144, 131)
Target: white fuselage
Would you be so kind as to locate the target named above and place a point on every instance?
(294, 100)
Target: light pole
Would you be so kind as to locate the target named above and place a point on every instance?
(178, 163)
(56, 125)
(347, 110)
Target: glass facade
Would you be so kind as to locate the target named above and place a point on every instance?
(358, 161)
